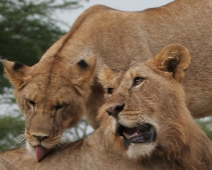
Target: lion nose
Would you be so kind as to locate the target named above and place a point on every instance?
(115, 110)
(40, 138)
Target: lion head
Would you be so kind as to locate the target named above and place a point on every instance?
(50, 98)
(147, 107)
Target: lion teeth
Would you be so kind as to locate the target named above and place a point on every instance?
(126, 135)
(129, 136)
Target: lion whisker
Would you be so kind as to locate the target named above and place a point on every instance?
(24, 145)
(22, 135)
(64, 142)
(19, 139)
(59, 145)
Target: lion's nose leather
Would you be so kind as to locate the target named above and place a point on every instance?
(115, 110)
(40, 138)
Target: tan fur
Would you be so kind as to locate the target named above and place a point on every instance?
(160, 100)
(56, 103)
(90, 153)
(105, 152)
(180, 143)
(118, 39)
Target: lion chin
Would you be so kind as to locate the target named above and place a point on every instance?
(139, 140)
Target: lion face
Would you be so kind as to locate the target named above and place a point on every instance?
(50, 98)
(143, 101)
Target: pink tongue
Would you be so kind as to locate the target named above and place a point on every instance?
(41, 152)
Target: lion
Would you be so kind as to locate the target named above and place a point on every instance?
(63, 86)
(148, 108)
(145, 124)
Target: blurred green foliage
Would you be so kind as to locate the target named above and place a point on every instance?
(206, 124)
(28, 28)
(10, 130)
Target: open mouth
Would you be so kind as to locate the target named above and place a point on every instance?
(142, 134)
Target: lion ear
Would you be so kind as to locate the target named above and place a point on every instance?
(86, 69)
(105, 75)
(173, 58)
(16, 72)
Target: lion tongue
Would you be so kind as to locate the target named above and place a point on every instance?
(41, 152)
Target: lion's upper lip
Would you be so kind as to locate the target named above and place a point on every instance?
(142, 134)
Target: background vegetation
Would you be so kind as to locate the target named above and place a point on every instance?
(27, 30)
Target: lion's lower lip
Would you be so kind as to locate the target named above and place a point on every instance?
(143, 134)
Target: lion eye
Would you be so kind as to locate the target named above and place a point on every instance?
(110, 90)
(60, 106)
(137, 81)
(30, 102)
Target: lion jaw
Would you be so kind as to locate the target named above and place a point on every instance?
(139, 138)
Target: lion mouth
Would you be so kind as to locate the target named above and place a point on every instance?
(41, 152)
(142, 134)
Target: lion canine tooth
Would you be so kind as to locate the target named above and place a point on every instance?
(126, 135)
(130, 136)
